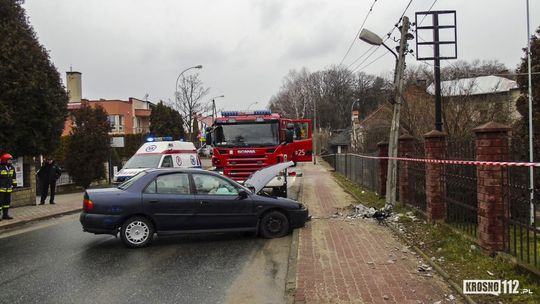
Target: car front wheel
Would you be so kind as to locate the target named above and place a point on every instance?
(137, 232)
(274, 224)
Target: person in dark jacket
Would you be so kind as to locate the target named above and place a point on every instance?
(8, 181)
(48, 174)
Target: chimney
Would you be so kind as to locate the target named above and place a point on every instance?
(74, 86)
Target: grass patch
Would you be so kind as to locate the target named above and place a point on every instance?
(457, 255)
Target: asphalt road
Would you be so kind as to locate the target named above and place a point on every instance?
(55, 262)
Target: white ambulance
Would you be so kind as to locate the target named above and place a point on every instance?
(159, 153)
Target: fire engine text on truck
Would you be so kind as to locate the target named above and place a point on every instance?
(246, 141)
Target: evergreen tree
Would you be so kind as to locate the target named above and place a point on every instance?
(165, 121)
(89, 145)
(32, 98)
(522, 103)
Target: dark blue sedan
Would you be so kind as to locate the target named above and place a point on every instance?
(172, 201)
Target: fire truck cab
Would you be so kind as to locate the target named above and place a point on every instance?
(246, 141)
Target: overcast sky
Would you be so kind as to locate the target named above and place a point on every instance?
(130, 48)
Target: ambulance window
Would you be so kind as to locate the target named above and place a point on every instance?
(167, 162)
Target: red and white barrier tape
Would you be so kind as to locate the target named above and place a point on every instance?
(456, 162)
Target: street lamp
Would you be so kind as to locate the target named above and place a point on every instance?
(374, 39)
(178, 78)
(254, 103)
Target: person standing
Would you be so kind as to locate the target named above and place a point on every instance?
(48, 174)
(8, 181)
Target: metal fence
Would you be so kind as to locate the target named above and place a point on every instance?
(460, 186)
(360, 170)
(417, 178)
(522, 238)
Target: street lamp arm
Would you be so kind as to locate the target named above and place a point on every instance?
(389, 49)
(179, 75)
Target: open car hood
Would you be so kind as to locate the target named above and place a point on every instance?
(261, 178)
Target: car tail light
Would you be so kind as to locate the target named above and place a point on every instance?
(293, 173)
(88, 204)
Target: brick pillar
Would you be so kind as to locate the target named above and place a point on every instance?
(405, 149)
(435, 191)
(383, 167)
(492, 144)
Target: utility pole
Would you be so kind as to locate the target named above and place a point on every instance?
(391, 177)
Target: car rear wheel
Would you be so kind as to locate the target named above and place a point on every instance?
(274, 224)
(137, 232)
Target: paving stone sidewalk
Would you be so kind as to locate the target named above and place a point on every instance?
(344, 260)
(65, 203)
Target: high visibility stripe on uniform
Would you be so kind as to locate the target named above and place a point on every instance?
(5, 207)
(3, 172)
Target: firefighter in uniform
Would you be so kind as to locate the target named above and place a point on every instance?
(8, 181)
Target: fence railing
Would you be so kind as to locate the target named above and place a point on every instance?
(521, 232)
(357, 169)
(460, 187)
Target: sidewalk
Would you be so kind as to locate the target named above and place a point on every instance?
(65, 203)
(344, 260)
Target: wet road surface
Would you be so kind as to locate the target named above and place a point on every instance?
(58, 263)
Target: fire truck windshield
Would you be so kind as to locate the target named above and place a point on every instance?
(248, 134)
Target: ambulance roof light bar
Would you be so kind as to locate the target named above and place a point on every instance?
(164, 138)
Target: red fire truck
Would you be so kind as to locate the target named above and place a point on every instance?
(246, 141)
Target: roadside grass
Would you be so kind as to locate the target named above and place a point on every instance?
(460, 257)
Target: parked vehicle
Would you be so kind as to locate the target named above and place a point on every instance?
(246, 141)
(183, 200)
(161, 152)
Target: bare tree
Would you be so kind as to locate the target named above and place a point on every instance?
(189, 99)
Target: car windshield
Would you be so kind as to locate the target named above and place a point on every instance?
(143, 161)
(248, 135)
(125, 185)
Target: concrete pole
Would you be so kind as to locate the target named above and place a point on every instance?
(391, 179)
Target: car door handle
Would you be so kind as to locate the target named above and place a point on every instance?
(153, 202)
(204, 203)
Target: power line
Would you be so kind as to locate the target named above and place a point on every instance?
(372, 48)
(387, 37)
(356, 36)
(375, 60)
(360, 57)
(429, 10)
(399, 20)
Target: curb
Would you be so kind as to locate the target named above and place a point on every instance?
(437, 268)
(290, 278)
(39, 218)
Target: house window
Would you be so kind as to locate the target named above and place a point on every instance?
(116, 122)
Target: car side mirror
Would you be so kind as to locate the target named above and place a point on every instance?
(242, 194)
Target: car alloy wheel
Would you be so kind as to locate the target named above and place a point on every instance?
(274, 224)
(137, 232)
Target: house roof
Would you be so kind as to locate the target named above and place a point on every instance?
(380, 113)
(474, 86)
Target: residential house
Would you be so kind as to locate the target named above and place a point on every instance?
(130, 116)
